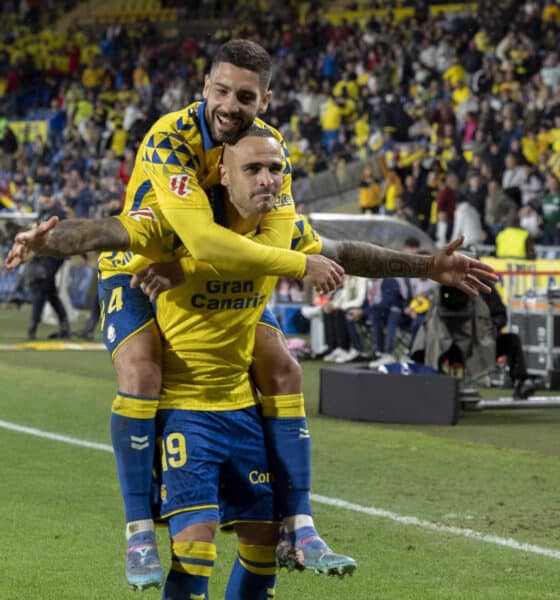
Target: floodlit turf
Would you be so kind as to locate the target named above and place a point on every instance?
(496, 473)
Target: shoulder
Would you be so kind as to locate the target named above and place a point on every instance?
(178, 121)
(173, 139)
(260, 123)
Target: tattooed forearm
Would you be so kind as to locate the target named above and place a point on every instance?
(368, 260)
(74, 236)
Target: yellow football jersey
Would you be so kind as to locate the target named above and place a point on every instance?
(304, 238)
(176, 164)
(208, 325)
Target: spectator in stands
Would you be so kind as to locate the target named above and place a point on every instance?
(446, 200)
(551, 211)
(370, 193)
(84, 200)
(532, 186)
(417, 194)
(467, 222)
(392, 186)
(513, 178)
(386, 314)
(8, 146)
(514, 241)
(476, 192)
(337, 335)
(126, 166)
(109, 166)
(499, 207)
(530, 219)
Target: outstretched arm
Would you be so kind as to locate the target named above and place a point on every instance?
(368, 260)
(65, 238)
(447, 266)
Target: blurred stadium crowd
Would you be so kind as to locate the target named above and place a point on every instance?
(457, 114)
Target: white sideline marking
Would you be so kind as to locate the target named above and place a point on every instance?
(54, 436)
(464, 532)
(367, 510)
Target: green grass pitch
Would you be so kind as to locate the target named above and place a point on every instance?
(496, 473)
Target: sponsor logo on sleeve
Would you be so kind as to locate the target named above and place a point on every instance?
(178, 184)
(142, 213)
(283, 200)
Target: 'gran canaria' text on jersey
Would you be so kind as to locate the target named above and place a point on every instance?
(223, 295)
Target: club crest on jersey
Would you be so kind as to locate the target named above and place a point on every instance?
(142, 213)
(178, 184)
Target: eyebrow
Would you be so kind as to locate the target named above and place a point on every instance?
(246, 91)
(260, 164)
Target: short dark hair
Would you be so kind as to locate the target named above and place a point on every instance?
(246, 54)
(251, 131)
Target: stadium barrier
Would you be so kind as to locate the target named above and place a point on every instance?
(356, 393)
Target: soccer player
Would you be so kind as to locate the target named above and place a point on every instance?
(177, 163)
(214, 463)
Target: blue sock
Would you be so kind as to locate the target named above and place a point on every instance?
(308, 536)
(133, 437)
(289, 449)
(253, 575)
(191, 567)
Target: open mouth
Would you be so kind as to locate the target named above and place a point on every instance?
(226, 123)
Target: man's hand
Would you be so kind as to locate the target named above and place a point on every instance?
(354, 314)
(457, 270)
(323, 273)
(157, 278)
(29, 243)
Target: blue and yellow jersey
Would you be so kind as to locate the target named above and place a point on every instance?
(208, 324)
(304, 238)
(176, 164)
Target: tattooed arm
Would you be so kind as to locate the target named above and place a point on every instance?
(65, 238)
(447, 266)
(368, 260)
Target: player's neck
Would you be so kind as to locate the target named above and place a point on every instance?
(241, 224)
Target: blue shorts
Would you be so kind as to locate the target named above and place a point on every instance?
(215, 462)
(124, 310)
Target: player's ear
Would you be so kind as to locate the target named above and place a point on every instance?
(224, 179)
(206, 88)
(264, 102)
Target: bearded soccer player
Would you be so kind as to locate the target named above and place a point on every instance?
(214, 462)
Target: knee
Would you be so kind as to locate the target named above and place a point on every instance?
(198, 532)
(258, 534)
(138, 365)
